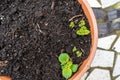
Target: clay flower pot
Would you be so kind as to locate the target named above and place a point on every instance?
(5, 78)
(94, 35)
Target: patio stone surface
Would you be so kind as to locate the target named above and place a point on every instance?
(108, 3)
(103, 59)
(118, 78)
(94, 3)
(106, 42)
(116, 47)
(84, 77)
(116, 70)
(99, 74)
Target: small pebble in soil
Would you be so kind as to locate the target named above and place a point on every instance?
(3, 63)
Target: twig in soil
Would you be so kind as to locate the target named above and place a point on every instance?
(82, 50)
(56, 56)
(53, 4)
(40, 29)
(75, 17)
(83, 18)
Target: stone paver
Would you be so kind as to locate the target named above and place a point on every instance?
(116, 70)
(84, 76)
(103, 59)
(113, 14)
(118, 78)
(116, 47)
(104, 29)
(94, 3)
(106, 42)
(107, 3)
(116, 26)
(99, 74)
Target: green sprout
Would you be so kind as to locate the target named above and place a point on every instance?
(83, 31)
(74, 67)
(81, 23)
(67, 73)
(74, 49)
(67, 65)
(63, 58)
(79, 53)
(72, 24)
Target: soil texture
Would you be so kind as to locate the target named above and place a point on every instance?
(32, 35)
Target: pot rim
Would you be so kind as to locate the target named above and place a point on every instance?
(94, 37)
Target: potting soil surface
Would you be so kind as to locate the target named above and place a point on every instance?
(34, 32)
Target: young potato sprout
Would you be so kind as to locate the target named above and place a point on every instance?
(82, 31)
(66, 73)
(74, 67)
(76, 51)
(63, 58)
(81, 23)
(79, 53)
(67, 65)
(72, 24)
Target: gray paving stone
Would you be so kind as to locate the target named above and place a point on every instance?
(84, 76)
(116, 47)
(103, 59)
(113, 14)
(118, 78)
(106, 42)
(99, 74)
(99, 13)
(116, 26)
(104, 29)
(116, 70)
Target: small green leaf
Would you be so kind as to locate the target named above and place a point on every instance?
(79, 53)
(74, 49)
(63, 66)
(84, 28)
(83, 31)
(69, 64)
(63, 58)
(74, 67)
(66, 73)
(72, 24)
(82, 23)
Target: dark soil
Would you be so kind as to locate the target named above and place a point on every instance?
(34, 32)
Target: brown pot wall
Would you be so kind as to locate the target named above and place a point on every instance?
(5, 78)
(94, 35)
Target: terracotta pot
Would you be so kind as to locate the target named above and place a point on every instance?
(5, 78)
(94, 34)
